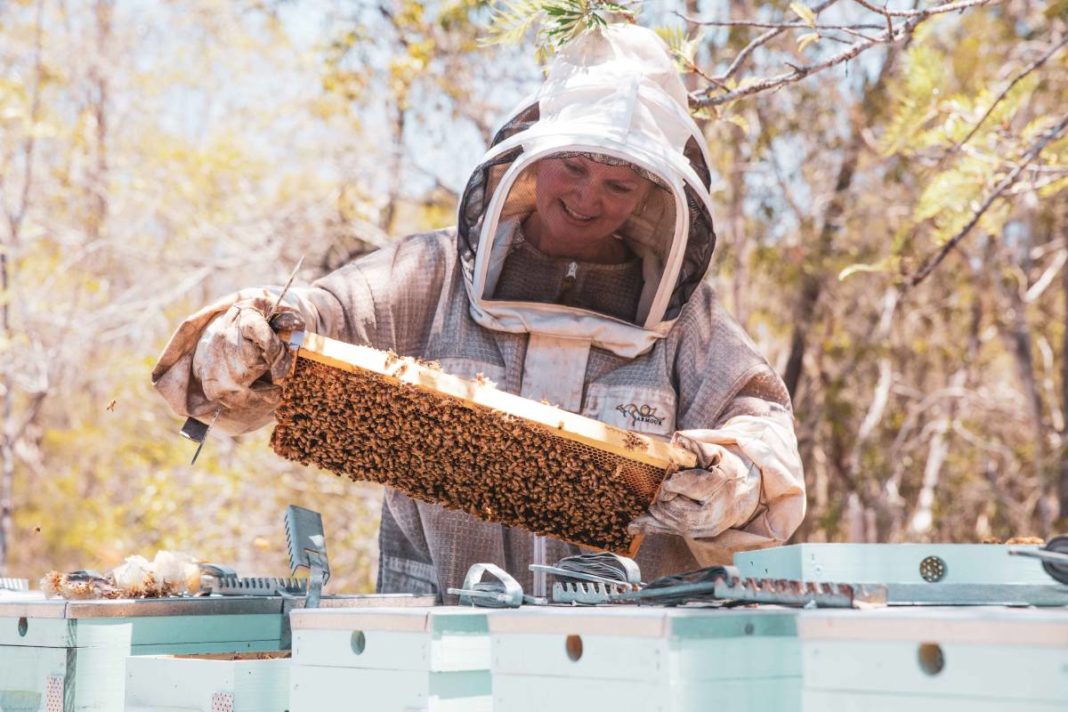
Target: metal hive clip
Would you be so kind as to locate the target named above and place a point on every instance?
(588, 593)
(14, 584)
(307, 549)
(259, 586)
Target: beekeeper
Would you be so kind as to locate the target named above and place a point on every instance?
(574, 275)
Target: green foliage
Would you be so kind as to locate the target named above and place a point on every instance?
(916, 98)
(553, 22)
(682, 46)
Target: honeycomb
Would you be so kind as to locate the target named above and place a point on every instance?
(461, 455)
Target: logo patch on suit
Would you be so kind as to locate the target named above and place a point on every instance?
(640, 413)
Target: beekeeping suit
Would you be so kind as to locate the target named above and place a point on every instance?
(643, 345)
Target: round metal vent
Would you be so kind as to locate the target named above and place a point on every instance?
(933, 569)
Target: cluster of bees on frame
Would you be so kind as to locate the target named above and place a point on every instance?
(442, 450)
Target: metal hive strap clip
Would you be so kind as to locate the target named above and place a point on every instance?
(14, 584)
(1054, 557)
(725, 583)
(500, 591)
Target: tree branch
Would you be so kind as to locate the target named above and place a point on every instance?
(1032, 153)
(762, 39)
(925, 13)
(891, 35)
(776, 25)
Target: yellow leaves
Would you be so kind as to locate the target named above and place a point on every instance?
(14, 105)
(344, 84)
(410, 15)
(511, 21)
(805, 13)
(951, 190)
(352, 205)
(421, 52)
(917, 98)
(1056, 8)
(952, 197)
(806, 39)
(455, 13)
(683, 48)
(739, 121)
(884, 266)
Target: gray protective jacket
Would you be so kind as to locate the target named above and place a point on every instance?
(705, 378)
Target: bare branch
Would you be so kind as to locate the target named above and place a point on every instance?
(1035, 290)
(891, 35)
(776, 25)
(16, 217)
(800, 72)
(1032, 153)
(925, 13)
(762, 39)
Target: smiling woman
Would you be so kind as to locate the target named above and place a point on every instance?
(571, 246)
(584, 231)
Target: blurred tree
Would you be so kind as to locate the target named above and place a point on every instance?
(894, 233)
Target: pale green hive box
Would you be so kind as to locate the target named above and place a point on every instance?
(390, 660)
(922, 574)
(893, 563)
(935, 660)
(62, 656)
(207, 683)
(67, 656)
(647, 659)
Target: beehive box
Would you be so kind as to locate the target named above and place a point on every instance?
(402, 660)
(935, 660)
(930, 574)
(60, 656)
(893, 563)
(371, 415)
(648, 659)
(238, 682)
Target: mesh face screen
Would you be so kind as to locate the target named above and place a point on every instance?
(461, 455)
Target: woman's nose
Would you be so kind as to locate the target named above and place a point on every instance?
(588, 193)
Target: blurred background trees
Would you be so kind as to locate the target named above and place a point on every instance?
(891, 190)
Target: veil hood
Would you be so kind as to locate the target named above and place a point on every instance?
(613, 91)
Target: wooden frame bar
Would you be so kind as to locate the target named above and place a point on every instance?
(401, 369)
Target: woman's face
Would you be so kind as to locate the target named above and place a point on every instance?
(582, 200)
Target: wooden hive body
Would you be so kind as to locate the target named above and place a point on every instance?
(371, 415)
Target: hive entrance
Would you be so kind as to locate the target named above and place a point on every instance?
(372, 416)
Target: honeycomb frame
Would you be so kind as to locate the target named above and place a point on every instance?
(374, 416)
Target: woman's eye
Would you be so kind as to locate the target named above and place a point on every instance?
(620, 188)
(573, 168)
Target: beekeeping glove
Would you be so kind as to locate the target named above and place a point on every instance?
(703, 502)
(224, 359)
(239, 356)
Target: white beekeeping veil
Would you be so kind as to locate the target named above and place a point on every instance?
(614, 96)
